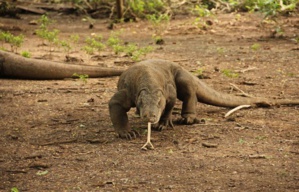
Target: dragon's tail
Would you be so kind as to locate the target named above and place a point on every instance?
(208, 95)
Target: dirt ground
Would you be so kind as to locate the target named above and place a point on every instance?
(57, 135)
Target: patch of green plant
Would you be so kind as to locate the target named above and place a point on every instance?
(82, 77)
(114, 39)
(67, 44)
(230, 73)
(255, 46)
(94, 44)
(296, 39)
(261, 137)
(14, 189)
(241, 141)
(198, 72)
(14, 41)
(44, 21)
(51, 36)
(158, 39)
(269, 8)
(41, 172)
(75, 38)
(141, 52)
(118, 48)
(201, 11)
(291, 74)
(159, 22)
(142, 8)
(88, 49)
(26, 54)
(220, 50)
(130, 49)
(157, 19)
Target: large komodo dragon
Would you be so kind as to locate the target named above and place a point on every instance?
(153, 86)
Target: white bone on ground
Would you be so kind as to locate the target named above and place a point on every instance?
(148, 141)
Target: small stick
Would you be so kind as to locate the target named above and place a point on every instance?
(243, 93)
(245, 70)
(236, 109)
(148, 144)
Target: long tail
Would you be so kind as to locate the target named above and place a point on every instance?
(207, 95)
(15, 66)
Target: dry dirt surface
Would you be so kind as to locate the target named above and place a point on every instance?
(57, 135)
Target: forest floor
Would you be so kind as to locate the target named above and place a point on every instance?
(56, 135)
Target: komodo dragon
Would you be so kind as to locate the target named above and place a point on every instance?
(153, 86)
(16, 66)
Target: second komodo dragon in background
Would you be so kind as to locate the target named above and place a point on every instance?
(152, 86)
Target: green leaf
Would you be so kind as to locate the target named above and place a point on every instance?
(14, 189)
(41, 173)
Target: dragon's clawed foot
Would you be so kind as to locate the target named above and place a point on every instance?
(187, 120)
(133, 134)
(163, 124)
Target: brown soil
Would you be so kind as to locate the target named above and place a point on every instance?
(57, 135)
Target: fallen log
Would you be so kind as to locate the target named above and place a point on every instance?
(16, 66)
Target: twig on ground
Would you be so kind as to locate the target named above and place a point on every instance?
(148, 144)
(236, 109)
(243, 93)
(258, 156)
(245, 70)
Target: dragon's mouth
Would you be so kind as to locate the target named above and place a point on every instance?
(156, 119)
(152, 118)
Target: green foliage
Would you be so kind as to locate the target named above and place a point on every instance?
(158, 39)
(241, 141)
(75, 38)
(82, 77)
(199, 72)
(44, 22)
(118, 48)
(26, 54)
(130, 49)
(157, 19)
(14, 41)
(201, 11)
(50, 36)
(115, 44)
(45, 33)
(94, 44)
(141, 8)
(140, 52)
(114, 39)
(255, 46)
(88, 49)
(14, 189)
(220, 50)
(230, 73)
(159, 22)
(65, 45)
(268, 7)
(41, 172)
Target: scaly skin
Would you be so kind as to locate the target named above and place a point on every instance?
(16, 66)
(153, 86)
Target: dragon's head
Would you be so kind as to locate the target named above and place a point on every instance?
(150, 105)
